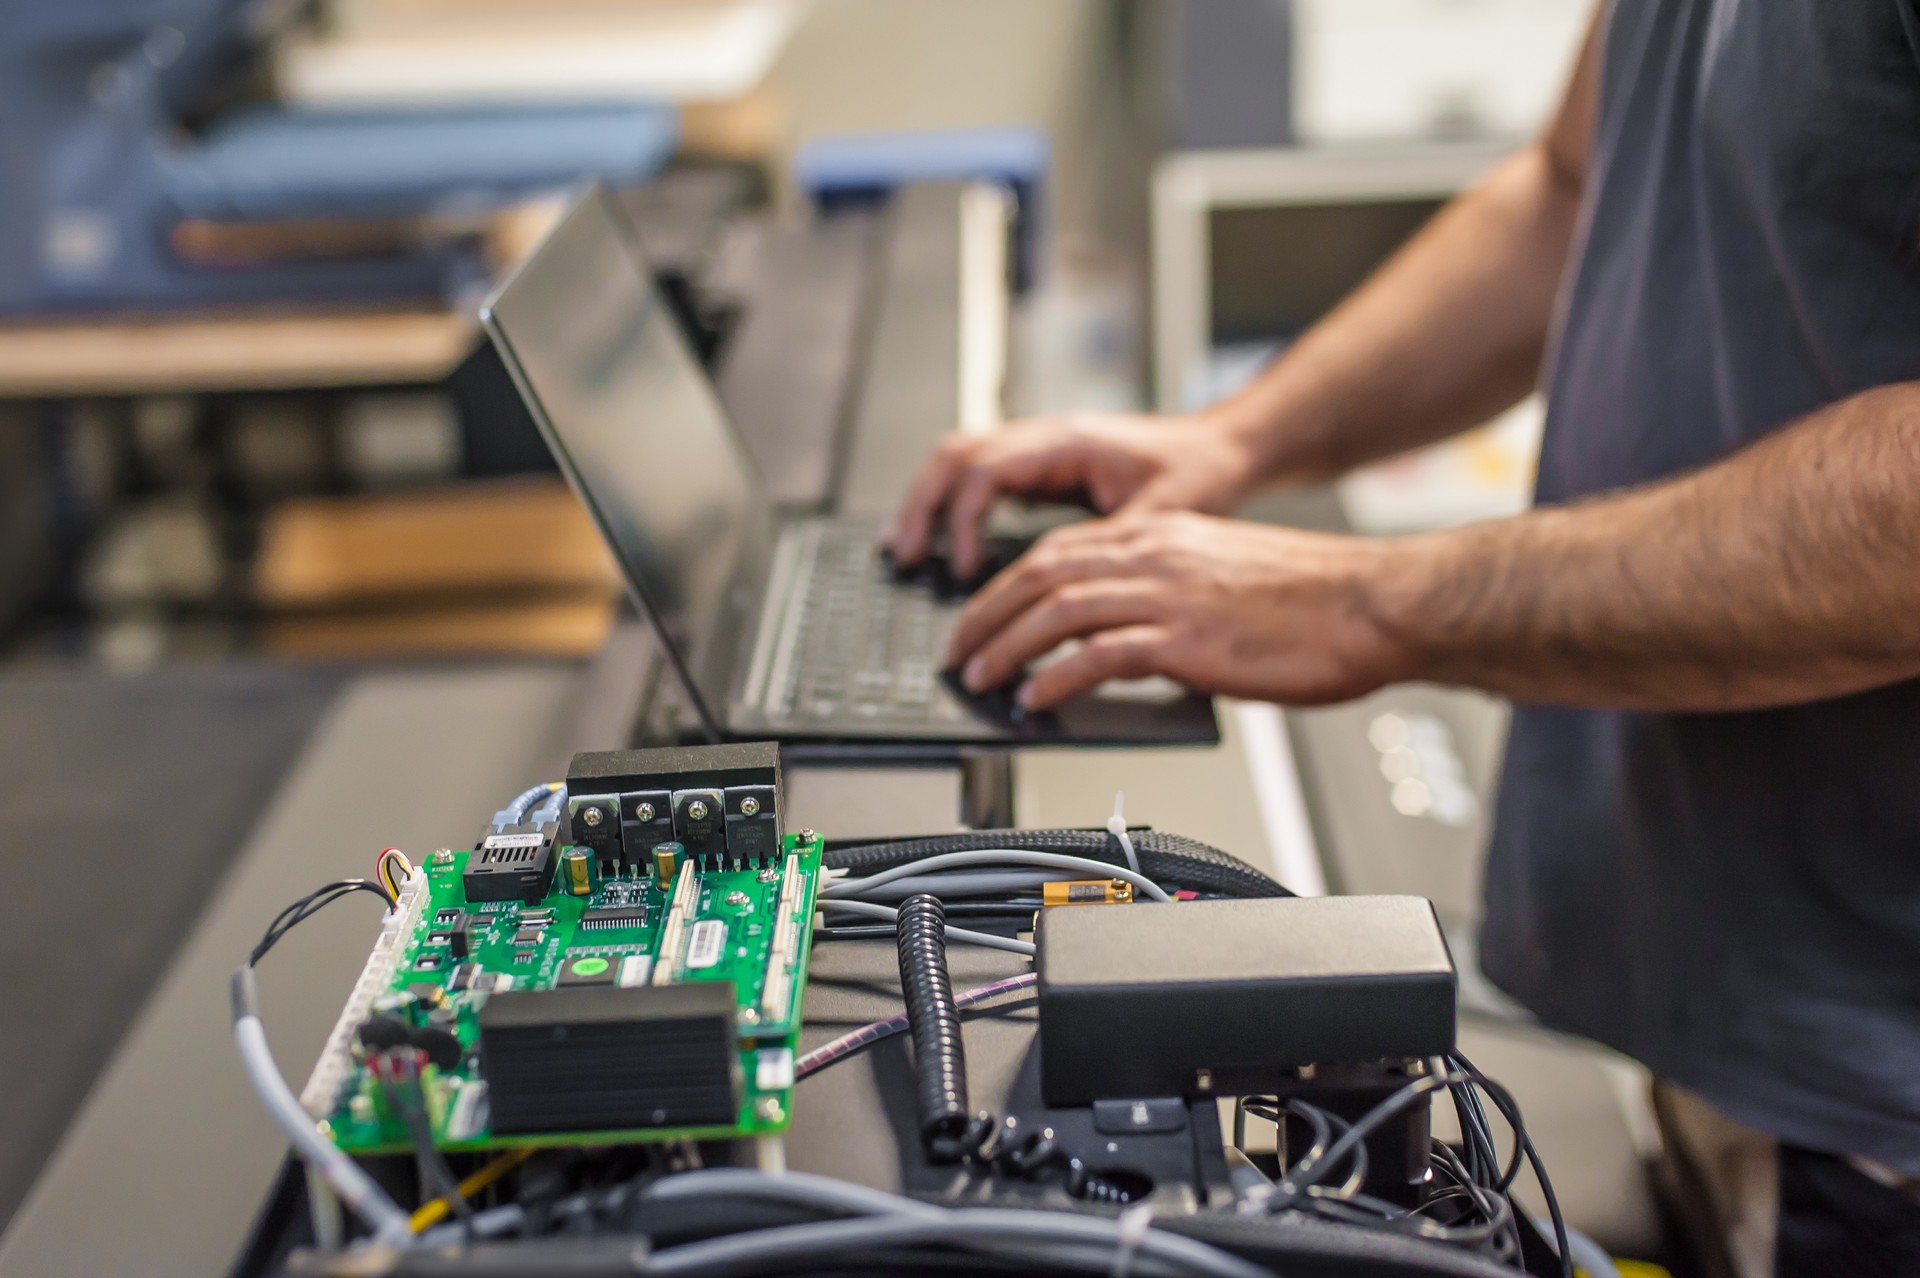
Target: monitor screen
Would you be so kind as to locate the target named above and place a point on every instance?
(634, 423)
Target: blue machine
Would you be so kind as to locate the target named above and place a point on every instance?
(864, 168)
(97, 169)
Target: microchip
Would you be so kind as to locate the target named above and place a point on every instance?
(446, 918)
(427, 963)
(600, 919)
(523, 956)
(528, 936)
(588, 970)
(543, 914)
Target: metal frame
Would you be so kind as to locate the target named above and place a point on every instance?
(1189, 185)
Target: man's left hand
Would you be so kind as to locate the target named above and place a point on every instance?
(1222, 606)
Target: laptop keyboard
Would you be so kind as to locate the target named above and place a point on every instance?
(866, 648)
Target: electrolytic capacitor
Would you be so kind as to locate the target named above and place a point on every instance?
(666, 863)
(575, 868)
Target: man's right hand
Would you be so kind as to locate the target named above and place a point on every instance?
(1106, 461)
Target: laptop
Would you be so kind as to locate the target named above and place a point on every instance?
(778, 625)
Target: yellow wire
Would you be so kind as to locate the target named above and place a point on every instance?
(386, 865)
(431, 1214)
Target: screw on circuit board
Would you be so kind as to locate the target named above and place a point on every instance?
(749, 1017)
(592, 817)
(697, 809)
(442, 857)
(767, 1109)
(749, 806)
(643, 813)
(808, 836)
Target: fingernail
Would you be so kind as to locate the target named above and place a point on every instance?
(1025, 695)
(975, 675)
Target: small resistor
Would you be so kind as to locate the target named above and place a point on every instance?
(1087, 892)
(578, 872)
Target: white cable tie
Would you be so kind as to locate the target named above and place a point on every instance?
(1132, 1224)
(1117, 827)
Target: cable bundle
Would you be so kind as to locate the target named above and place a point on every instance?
(1471, 1206)
(1163, 858)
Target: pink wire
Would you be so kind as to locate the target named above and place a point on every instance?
(821, 1057)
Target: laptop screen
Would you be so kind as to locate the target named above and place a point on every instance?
(633, 422)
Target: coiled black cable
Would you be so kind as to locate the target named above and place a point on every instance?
(1167, 859)
(948, 1128)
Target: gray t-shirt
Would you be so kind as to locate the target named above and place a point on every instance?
(1733, 899)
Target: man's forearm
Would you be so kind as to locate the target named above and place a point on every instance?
(1447, 333)
(1784, 573)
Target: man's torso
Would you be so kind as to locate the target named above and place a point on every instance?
(1734, 899)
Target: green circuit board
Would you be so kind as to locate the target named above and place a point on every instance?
(724, 930)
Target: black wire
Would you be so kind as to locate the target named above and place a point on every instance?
(309, 905)
(1510, 1109)
(855, 932)
(948, 1127)
(410, 1099)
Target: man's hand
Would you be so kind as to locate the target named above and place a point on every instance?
(1109, 461)
(1241, 609)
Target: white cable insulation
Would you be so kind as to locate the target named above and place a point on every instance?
(355, 1187)
(1117, 827)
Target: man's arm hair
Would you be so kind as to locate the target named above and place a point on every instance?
(1787, 572)
(1447, 333)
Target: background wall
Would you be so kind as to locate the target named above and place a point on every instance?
(870, 65)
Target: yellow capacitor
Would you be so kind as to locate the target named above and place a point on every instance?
(666, 863)
(1087, 892)
(575, 866)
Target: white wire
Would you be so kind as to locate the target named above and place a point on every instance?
(987, 939)
(842, 888)
(355, 1187)
(1117, 827)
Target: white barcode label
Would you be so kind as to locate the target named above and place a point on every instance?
(514, 841)
(709, 938)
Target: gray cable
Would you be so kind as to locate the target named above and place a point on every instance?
(987, 939)
(1588, 1256)
(803, 1188)
(995, 856)
(806, 1189)
(490, 1223)
(355, 1187)
(975, 1228)
(960, 883)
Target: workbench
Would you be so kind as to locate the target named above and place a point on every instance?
(161, 1161)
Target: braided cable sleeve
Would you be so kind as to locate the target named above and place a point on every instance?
(933, 1018)
(1165, 858)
